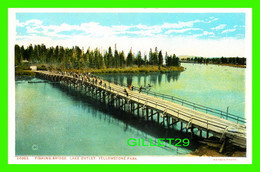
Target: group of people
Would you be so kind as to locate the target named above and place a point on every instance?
(131, 87)
(93, 79)
(82, 76)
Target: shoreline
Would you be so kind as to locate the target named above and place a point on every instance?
(205, 151)
(233, 65)
(24, 73)
(209, 149)
(132, 70)
(230, 65)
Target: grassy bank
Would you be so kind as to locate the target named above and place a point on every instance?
(233, 65)
(23, 70)
(145, 69)
(24, 73)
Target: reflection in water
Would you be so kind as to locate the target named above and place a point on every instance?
(121, 80)
(174, 76)
(63, 121)
(129, 80)
(218, 87)
(142, 79)
(128, 121)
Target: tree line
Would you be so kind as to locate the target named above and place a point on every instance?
(77, 58)
(222, 60)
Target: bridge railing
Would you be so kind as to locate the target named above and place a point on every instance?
(206, 122)
(164, 106)
(195, 106)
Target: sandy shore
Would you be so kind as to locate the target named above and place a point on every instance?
(207, 151)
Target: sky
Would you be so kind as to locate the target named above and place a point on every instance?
(193, 34)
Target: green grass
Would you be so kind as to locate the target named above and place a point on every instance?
(24, 73)
(143, 69)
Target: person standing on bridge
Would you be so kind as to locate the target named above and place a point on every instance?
(126, 92)
(140, 89)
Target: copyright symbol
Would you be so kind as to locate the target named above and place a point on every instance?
(34, 147)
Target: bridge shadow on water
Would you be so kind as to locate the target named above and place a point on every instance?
(127, 121)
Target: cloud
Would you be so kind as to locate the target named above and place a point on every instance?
(181, 30)
(139, 37)
(228, 30)
(231, 30)
(95, 29)
(211, 19)
(219, 27)
(180, 24)
(205, 33)
(33, 22)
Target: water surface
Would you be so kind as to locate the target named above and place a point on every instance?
(219, 87)
(55, 120)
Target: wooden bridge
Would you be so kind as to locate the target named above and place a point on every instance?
(154, 108)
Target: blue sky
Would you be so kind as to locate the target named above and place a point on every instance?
(202, 34)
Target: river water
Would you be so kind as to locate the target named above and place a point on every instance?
(55, 120)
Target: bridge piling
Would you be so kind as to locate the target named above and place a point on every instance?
(168, 113)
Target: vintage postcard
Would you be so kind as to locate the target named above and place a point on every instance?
(130, 86)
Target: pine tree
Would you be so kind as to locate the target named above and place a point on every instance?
(139, 59)
(116, 59)
(129, 58)
(145, 60)
(122, 59)
(160, 59)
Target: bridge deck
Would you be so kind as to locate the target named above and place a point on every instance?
(218, 126)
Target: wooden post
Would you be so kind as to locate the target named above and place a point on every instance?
(181, 126)
(120, 103)
(124, 104)
(168, 121)
(151, 115)
(222, 146)
(131, 104)
(191, 131)
(138, 107)
(147, 113)
(111, 97)
(200, 131)
(142, 112)
(104, 97)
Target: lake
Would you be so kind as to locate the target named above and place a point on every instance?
(210, 85)
(54, 120)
